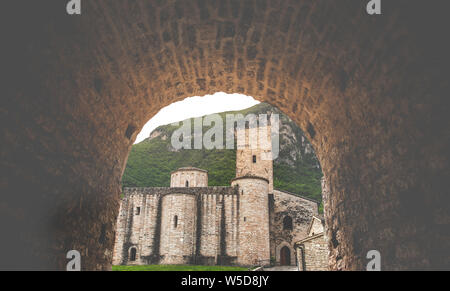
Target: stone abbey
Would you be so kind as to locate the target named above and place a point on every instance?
(247, 223)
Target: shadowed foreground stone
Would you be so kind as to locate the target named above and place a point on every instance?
(370, 92)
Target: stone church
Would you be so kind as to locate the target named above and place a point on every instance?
(247, 223)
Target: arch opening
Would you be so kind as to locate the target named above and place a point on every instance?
(294, 166)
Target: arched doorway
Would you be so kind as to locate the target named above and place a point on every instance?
(285, 256)
(132, 254)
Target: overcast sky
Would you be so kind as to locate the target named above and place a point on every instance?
(196, 107)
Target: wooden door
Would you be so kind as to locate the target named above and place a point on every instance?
(285, 256)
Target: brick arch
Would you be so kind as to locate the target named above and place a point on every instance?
(368, 92)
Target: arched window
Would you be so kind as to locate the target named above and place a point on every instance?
(187, 183)
(175, 221)
(287, 223)
(133, 254)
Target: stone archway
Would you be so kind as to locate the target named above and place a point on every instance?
(285, 255)
(368, 91)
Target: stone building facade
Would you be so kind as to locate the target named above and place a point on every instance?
(289, 219)
(246, 223)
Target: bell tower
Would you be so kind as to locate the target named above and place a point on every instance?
(254, 153)
(254, 178)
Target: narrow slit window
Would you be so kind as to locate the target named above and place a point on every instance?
(175, 221)
(254, 159)
(138, 210)
(287, 223)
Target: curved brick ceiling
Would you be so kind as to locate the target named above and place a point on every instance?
(368, 91)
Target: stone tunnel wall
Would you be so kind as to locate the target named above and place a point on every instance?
(369, 91)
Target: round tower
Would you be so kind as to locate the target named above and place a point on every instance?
(254, 245)
(178, 228)
(189, 177)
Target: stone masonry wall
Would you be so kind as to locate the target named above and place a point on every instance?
(134, 229)
(263, 167)
(253, 220)
(315, 254)
(210, 226)
(121, 227)
(178, 228)
(215, 236)
(231, 221)
(218, 233)
(195, 178)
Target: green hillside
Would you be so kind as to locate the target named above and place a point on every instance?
(295, 170)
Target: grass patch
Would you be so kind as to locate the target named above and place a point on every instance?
(177, 268)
